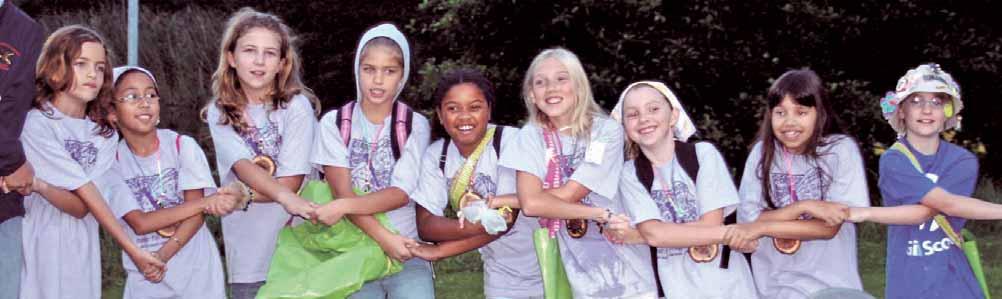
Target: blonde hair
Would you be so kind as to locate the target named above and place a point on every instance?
(584, 108)
(54, 73)
(288, 82)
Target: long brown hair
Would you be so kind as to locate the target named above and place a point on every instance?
(805, 88)
(229, 97)
(54, 73)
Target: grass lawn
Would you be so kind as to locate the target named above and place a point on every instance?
(462, 276)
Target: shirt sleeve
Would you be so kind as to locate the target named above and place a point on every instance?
(714, 186)
(849, 184)
(194, 172)
(636, 198)
(120, 198)
(230, 148)
(527, 154)
(506, 176)
(595, 175)
(432, 190)
(300, 125)
(750, 190)
(328, 147)
(962, 175)
(51, 161)
(407, 168)
(900, 183)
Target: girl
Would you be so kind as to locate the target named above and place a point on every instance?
(72, 157)
(564, 157)
(922, 176)
(370, 152)
(261, 118)
(464, 100)
(673, 210)
(797, 182)
(161, 168)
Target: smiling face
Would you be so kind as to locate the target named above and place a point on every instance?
(923, 115)
(137, 105)
(648, 117)
(88, 73)
(257, 58)
(380, 71)
(464, 113)
(553, 91)
(793, 124)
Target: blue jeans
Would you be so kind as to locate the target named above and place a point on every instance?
(245, 290)
(413, 282)
(11, 258)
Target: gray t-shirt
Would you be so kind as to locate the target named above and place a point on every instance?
(508, 270)
(595, 267)
(379, 171)
(284, 135)
(181, 167)
(837, 176)
(684, 202)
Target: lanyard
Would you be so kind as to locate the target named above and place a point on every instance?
(160, 196)
(669, 190)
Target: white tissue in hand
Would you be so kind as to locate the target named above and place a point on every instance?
(492, 221)
(473, 211)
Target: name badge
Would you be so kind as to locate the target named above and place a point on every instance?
(595, 152)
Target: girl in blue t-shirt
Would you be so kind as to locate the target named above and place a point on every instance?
(922, 176)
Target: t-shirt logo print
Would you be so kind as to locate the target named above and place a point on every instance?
(84, 152)
(378, 175)
(808, 186)
(685, 211)
(7, 55)
(145, 190)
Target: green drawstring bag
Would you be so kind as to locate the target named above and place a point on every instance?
(555, 283)
(974, 257)
(320, 261)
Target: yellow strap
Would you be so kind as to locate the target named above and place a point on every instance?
(462, 179)
(940, 219)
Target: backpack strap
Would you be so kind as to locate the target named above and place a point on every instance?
(497, 140)
(402, 119)
(344, 121)
(445, 152)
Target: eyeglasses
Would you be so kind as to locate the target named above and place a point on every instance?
(134, 99)
(932, 102)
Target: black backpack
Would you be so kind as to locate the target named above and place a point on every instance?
(686, 154)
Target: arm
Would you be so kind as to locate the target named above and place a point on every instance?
(571, 192)
(65, 201)
(278, 190)
(146, 262)
(437, 229)
(538, 203)
(831, 213)
(961, 206)
(186, 230)
(898, 215)
(792, 229)
(394, 245)
(452, 248)
(147, 222)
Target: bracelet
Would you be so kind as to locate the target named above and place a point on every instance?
(249, 201)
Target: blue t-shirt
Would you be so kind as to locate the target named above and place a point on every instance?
(922, 261)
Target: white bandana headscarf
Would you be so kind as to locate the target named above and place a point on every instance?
(683, 129)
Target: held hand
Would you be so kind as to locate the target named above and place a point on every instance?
(426, 252)
(298, 206)
(398, 247)
(830, 212)
(617, 228)
(20, 180)
(152, 267)
(742, 237)
(329, 213)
